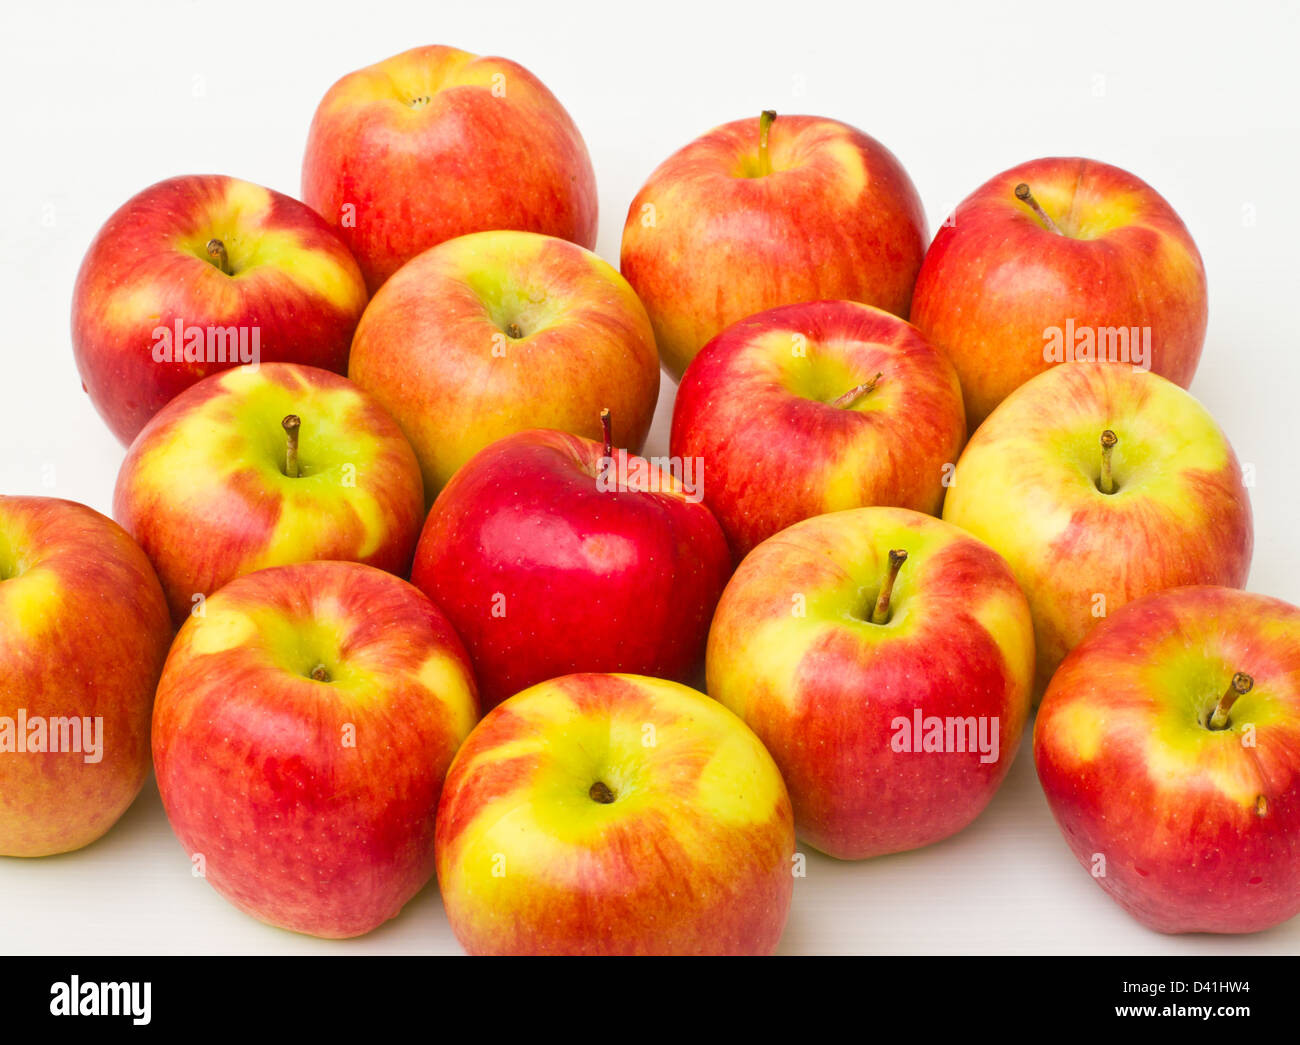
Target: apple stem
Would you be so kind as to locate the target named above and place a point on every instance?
(854, 394)
(217, 252)
(320, 673)
(601, 792)
(1240, 685)
(764, 127)
(1108, 441)
(291, 425)
(880, 613)
(513, 330)
(1025, 196)
(607, 427)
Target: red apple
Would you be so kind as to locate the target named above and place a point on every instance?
(815, 408)
(1168, 745)
(302, 730)
(1090, 263)
(766, 212)
(886, 660)
(499, 332)
(258, 467)
(551, 556)
(614, 814)
(198, 274)
(83, 634)
(435, 143)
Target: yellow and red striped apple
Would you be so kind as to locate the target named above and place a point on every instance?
(201, 273)
(500, 332)
(302, 731)
(614, 814)
(259, 467)
(815, 408)
(1055, 260)
(885, 658)
(435, 143)
(83, 633)
(552, 554)
(1033, 483)
(766, 212)
(1168, 745)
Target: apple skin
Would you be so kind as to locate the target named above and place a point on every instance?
(204, 491)
(435, 143)
(296, 826)
(1027, 485)
(823, 689)
(84, 631)
(1132, 772)
(775, 447)
(433, 347)
(147, 268)
(838, 217)
(543, 573)
(995, 278)
(693, 855)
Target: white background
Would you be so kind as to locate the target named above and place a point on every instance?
(97, 104)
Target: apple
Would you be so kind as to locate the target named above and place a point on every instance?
(257, 467)
(614, 814)
(1168, 746)
(84, 631)
(1060, 260)
(885, 658)
(498, 332)
(303, 727)
(1100, 483)
(201, 273)
(551, 554)
(813, 408)
(435, 143)
(765, 212)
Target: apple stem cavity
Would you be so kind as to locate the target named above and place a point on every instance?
(514, 330)
(854, 394)
(1107, 482)
(1240, 685)
(880, 612)
(607, 427)
(764, 127)
(320, 673)
(601, 792)
(1025, 196)
(291, 424)
(217, 252)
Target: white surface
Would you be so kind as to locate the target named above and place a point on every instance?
(100, 104)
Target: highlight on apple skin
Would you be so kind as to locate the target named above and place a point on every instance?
(435, 143)
(770, 211)
(1168, 746)
(265, 466)
(302, 730)
(499, 332)
(885, 658)
(614, 814)
(200, 273)
(553, 554)
(1033, 484)
(1056, 247)
(815, 408)
(83, 633)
